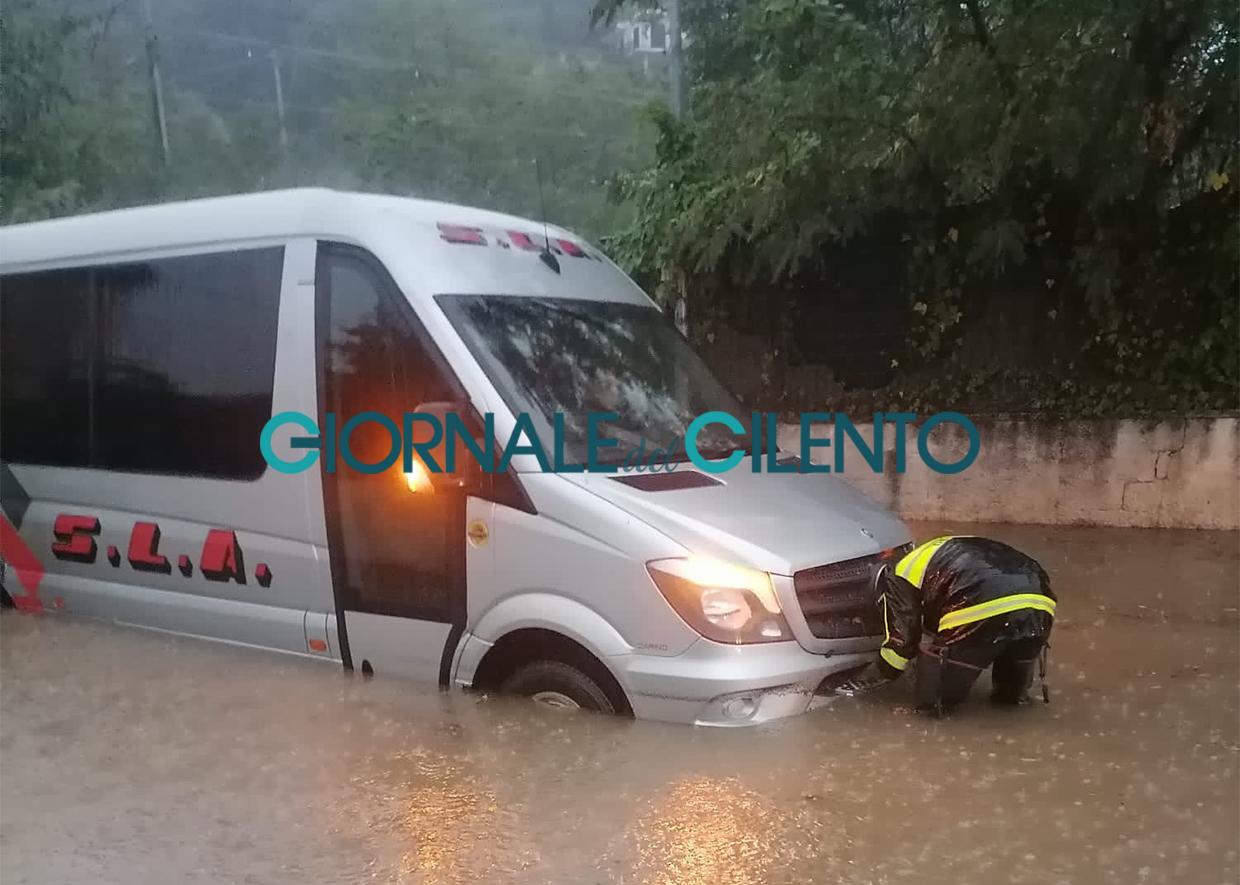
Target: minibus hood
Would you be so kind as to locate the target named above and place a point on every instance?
(777, 522)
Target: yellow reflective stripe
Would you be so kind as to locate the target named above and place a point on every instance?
(906, 561)
(917, 568)
(912, 567)
(1000, 606)
(894, 659)
(891, 657)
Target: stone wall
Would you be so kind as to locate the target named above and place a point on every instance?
(1174, 474)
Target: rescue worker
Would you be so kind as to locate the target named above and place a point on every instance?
(982, 604)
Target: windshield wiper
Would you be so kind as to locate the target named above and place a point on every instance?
(677, 454)
(715, 451)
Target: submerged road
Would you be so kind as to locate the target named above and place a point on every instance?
(131, 757)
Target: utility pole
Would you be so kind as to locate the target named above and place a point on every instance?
(157, 85)
(676, 74)
(275, 72)
(675, 53)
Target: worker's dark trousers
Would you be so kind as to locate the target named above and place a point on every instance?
(945, 673)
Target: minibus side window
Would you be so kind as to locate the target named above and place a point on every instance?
(47, 367)
(161, 366)
(390, 535)
(188, 363)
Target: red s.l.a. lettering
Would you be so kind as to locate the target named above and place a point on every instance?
(75, 537)
(144, 549)
(221, 557)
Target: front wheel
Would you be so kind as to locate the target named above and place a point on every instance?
(559, 686)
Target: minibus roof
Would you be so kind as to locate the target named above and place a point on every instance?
(456, 249)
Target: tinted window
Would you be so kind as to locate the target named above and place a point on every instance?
(390, 543)
(169, 364)
(46, 367)
(188, 348)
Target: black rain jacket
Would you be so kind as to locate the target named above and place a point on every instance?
(949, 586)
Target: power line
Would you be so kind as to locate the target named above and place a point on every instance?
(257, 47)
(227, 67)
(448, 124)
(363, 60)
(380, 63)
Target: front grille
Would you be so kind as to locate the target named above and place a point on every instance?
(839, 600)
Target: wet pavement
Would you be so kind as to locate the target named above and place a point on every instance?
(132, 757)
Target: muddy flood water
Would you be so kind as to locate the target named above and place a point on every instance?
(132, 757)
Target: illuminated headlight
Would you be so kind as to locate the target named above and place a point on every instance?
(725, 608)
(724, 602)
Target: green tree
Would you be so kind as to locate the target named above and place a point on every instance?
(78, 126)
(1078, 157)
(463, 105)
(69, 140)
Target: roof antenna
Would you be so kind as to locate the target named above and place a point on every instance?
(545, 255)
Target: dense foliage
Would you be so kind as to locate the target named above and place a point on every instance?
(68, 141)
(450, 99)
(980, 204)
(1056, 182)
(480, 111)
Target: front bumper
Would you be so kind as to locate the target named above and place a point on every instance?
(731, 685)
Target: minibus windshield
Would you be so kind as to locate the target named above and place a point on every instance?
(574, 356)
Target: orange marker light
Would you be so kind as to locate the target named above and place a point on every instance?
(417, 480)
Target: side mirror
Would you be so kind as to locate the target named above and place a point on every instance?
(466, 471)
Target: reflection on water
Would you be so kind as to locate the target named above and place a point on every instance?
(437, 816)
(447, 826)
(436, 821)
(130, 758)
(706, 831)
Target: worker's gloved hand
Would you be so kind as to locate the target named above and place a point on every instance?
(871, 678)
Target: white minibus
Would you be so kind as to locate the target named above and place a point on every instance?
(144, 352)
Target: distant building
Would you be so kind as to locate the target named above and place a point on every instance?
(643, 35)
